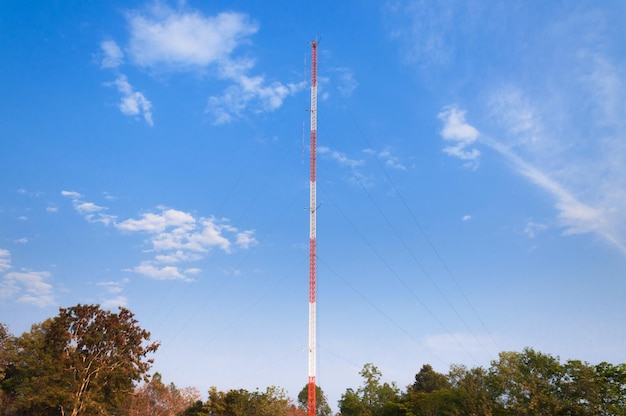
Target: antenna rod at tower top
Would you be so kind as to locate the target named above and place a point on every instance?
(311, 404)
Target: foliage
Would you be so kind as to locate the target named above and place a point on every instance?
(157, 399)
(517, 384)
(6, 341)
(83, 361)
(87, 361)
(322, 407)
(428, 380)
(272, 402)
(372, 398)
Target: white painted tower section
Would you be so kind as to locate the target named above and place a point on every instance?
(311, 404)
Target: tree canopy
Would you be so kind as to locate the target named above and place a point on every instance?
(90, 361)
(322, 407)
(83, 361)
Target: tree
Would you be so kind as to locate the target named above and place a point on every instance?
(322, 407)
(6, 341)
(428, 380)
(272, 402)
(527, 383)
(475, 398)
(431, 394)
(372, 397)
(611, 380)
(157, 399)
(83, 361)
(351, 404)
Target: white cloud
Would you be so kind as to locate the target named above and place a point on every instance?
(51, 209)
(249, 91)
(185, 40)
(165, 39)
(179, 237)
(340, 157)
(460, 134)
(113, 287)
(91, 211)
(466, 217)
(87, 207)
(148, 269)
(175, 236)
(113, 55)
(132, 103)
(114, 303)
(5, 260)
(156, 223)
(246, 239)
(29, 286)
(71, 194)
(22, 240)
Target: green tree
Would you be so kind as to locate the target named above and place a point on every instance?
(6, 341)
(472, 386)
(83, 361)
(580, 389)
(611, 380)
(322, 407)
(372, 397)
(431, 394)
(527, 383)
(272, 402)
(351, 404)
(428, 380)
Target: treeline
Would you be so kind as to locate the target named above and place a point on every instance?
(89, 361)
(518, 383)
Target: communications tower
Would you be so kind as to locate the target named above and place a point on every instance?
(311, 405)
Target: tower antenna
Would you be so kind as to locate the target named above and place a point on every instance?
(311, 405)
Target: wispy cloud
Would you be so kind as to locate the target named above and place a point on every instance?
(112, 55)
(249, 91)
(460, 135)
(29, 287)
(387, 158)
(115, 302)
(167, 40)
(346, 82)
(132, 103)
(91, 211)
(185, 39)
(533, 228)
(159, 272)
(175, 237)
(426, 29)
(341, 158)
(5, 260)
(113, 287)
(113, 298)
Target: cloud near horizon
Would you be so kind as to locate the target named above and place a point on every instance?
(28, 286)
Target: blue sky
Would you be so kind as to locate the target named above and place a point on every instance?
(471, 180)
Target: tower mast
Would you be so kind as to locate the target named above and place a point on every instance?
(311, 405)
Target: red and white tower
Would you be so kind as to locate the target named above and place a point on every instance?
(311, 405)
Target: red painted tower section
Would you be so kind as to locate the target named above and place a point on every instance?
(311, 405)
